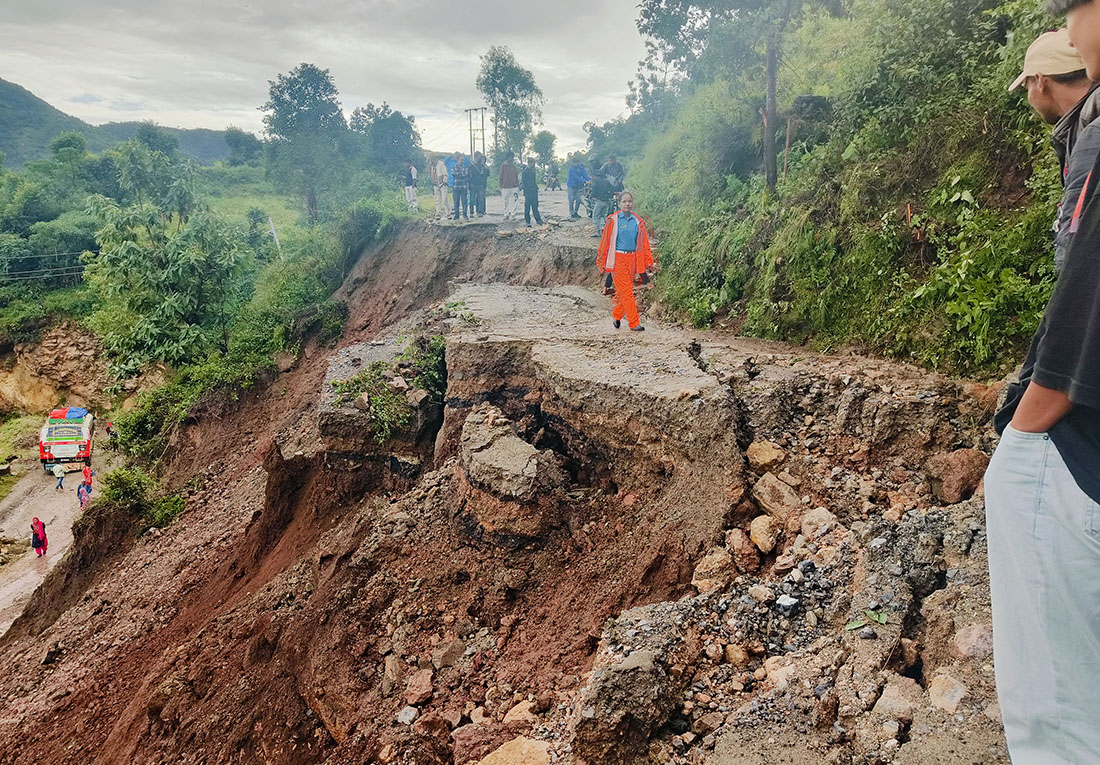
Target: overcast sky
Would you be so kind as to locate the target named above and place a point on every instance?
(196, 63)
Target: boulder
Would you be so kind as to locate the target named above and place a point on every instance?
(714, 571)
(764, 533)
(817, 523)
(974, 641)
(498, 461)
(776, 498)
(745, 555)
(895, 702)
(946, 693)
(764, 456)
(521, 714)
(419, 688)
(737, 655)
(432, 724)
(447, 654)
(520, 751)
(955, 475)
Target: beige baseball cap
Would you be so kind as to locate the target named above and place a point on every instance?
(1051, 53)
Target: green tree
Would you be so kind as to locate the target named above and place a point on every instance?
(513, 96)
(390, 137)
(70, 149)
(156, 138)
(680, 32)
(167, 270)
(308, 147)
(542, 146)
(244, 148)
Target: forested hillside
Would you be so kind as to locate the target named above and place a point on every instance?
(911, 211)
(28, 124)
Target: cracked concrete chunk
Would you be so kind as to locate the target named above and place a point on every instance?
(498, 461)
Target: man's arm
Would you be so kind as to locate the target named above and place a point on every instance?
(1040, 409)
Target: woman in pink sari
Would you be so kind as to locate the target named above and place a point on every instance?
(38, 537)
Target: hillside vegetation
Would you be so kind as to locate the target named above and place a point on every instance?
(28, 124)
(911, 214)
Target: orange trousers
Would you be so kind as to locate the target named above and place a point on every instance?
(623, 278)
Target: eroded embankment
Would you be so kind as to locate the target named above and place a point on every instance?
(429, 598)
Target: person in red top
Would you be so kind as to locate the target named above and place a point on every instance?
(625, 252)
(88, 473)
(38, 537)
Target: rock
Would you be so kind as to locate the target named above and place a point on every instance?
(392, 675)
(399, 384)
(764, 533)
(817, 523)
(868, 633)
(955, 475)
(432, 724)
(521, 713)
(520, 751)
(448, 654)
(627, 699)
(416, 397)
(776, 498)
(715, 571)
(786, 604)
(419, 688)
(498, 461)
(764, 456)
(708, 723)
(946, 693)
(894, 703)
(362, 401)
(737, 655)
(974, 641)
(407, 715)
(479, 716)
(761, 594)
(744, 553)
(472, 742)
(453, 716)
(543, 702)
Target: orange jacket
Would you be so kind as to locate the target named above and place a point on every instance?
(645, 258)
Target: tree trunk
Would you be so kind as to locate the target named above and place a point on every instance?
(771, 170)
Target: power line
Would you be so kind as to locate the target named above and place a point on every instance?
(74, 272)
(49, 255)
(46, 270)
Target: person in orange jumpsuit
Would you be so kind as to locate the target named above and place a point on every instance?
(625, 252)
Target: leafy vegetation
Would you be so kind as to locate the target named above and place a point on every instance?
(136, 492)
(386, 405)
(910, 214)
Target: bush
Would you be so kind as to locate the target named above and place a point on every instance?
(138, 493)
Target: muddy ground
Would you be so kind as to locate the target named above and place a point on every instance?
(611, 546)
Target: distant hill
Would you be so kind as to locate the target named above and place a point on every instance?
(28, 124)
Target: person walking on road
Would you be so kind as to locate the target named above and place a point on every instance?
(410, 187)
(615, 172)
(461, 175)
(88, 474)
(530, 193)
(602, 194)
(625, 252)
(83, 492)
(574, 185)
(38, 537)
(1042, 491)
(440, 179)
(59, 474)
(509, 186)
(479, 181)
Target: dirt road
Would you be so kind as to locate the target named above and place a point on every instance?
(35, 495)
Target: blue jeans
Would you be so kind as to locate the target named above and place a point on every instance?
(575, 194)
(460, 196)
(599, 214)
(1044, 571)
(60, 482)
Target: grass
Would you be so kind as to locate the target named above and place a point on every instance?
(12, 431)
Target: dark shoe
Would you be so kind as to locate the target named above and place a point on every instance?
(609, 290)
(638, 328)
(617, 323)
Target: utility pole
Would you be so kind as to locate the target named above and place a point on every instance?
(475, 131)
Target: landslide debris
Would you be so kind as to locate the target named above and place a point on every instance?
(597, 547)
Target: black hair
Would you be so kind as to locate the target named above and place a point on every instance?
(1069, 77)
(1062, 7)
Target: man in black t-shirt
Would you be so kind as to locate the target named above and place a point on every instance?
(1042, 494)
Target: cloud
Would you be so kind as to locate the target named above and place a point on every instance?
(192, 64)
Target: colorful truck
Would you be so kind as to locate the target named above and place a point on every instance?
(67, 437)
